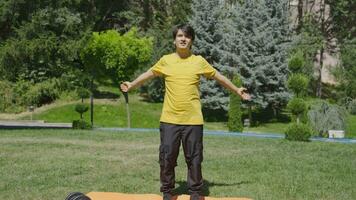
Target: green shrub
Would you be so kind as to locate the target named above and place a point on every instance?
(348, 65)
(297, 107)
(235, 122)
(298, 132)
(81, 108)
(324, 117)
(81, 124)
(21, 87)
(296, 63)
(298, 83)
(69, 96)
(42, 93)
(351, 106)
(83, 93)
(6, 95)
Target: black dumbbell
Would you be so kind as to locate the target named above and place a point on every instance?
(77, 196)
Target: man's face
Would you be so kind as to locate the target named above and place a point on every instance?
(182, 41)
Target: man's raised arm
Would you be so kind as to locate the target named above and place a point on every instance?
(229, 85)
(127, 86)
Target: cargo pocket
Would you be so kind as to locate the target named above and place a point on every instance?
(161, 155)
(199, 152)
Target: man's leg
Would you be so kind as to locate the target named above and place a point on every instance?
(168, 153)
(192, 139)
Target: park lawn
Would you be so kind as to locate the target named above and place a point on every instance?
(351, 126)
(108, 113)
(48, 164)
(112, 113)
(273, 127)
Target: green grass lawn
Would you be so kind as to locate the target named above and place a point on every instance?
(351, 126)
(275, 127)
(48, 164)
(109, 113)
(112, 113)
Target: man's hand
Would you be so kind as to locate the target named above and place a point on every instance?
(125, 86)
(243, 93)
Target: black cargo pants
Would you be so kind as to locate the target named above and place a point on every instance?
(191, 137)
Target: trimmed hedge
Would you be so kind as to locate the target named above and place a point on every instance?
(298, 132)
(235, 114)
(81, 124)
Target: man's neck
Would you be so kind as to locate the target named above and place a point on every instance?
(183, 53)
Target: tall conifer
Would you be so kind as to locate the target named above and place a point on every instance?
(206, 20)
(262, 31)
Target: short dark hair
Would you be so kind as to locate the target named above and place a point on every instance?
(187, 29)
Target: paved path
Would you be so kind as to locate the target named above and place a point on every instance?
(23, 124)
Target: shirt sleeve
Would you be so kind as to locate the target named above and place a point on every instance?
(207, 70)
(157, 68)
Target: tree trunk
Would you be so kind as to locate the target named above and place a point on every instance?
(250, 114)
(300, 15)
(321, 61)
(92, 102)
(319, 86)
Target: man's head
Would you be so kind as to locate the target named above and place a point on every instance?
(186, 29)
(183, 36)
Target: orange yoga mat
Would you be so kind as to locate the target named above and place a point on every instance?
(121, 196)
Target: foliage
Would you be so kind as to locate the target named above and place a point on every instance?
(255, 31)
(235, 114)
(81, 124)
(42, 93)
(308, 44)
(343, 17)
(298, 83)
(6, 97)
(260, 40)
(20, 90)
(352, 107)
(81, 108)
(317, 29)
(296, 63)
(41, 40)
(111, 55)
(16, 97)
(83, 93)
(297, 107)
(349, 104)
(324, 117)
(206, 19)
(298, 132)
(44, 47)
(347, 73)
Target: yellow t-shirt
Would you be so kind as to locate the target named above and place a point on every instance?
(182, 98)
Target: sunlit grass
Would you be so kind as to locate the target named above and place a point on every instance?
(48, 164)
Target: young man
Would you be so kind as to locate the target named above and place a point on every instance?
(182, 120)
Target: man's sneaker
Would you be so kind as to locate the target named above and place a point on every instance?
(195, 196)
(167, 196)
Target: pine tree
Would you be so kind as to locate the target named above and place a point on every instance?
(205, 20)
(262, 28)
